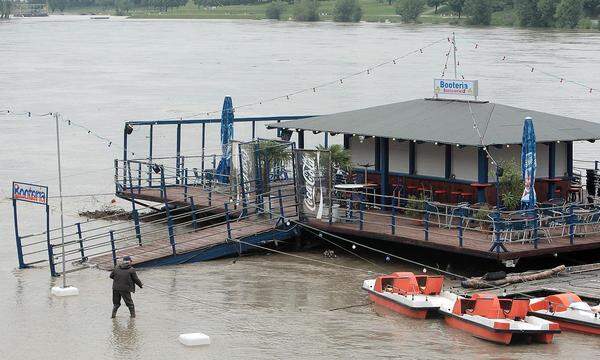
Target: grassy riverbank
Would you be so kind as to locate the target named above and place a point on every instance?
(373, 11)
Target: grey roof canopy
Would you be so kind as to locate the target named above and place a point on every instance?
(449, 122)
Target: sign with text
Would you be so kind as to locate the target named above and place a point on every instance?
(455, 87)
(37, 194)
(313, 178)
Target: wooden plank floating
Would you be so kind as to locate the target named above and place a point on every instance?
(583, 280)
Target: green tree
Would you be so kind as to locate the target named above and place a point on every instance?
(568, 13)
(409, 10)
(6, 8)
(306, 10)
(435, 4)
(480, 11)
(59, 5)
(456, 6)
(547, 10)
(347, 11)
(527, 12)
(591, 7)
(274, 10)
(123, 7)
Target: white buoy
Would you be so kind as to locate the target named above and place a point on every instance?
(65, 291)
(194, 339)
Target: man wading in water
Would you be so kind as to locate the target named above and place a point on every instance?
(124, 281)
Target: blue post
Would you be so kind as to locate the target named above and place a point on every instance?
(203, 147)
(270, 206)
(384, 169)
(460, 227)
(167, 210)
(193, 207)
(22, 264)
(326, 140)
(301, 139)
(394, 204)
(178, 152)
(139, 182)
(185, 185)
(281, 203)
(253, 129)
(113, 249)
(210, 182)
(426, 221)
(551, 168)
(226, 206)
(482, 173)
(134, 212)
(535, 229)
(150, 149)
(362, 215)
(48, 244)
(80, 236)
(571, 222)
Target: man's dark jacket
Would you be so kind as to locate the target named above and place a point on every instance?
(124, 278)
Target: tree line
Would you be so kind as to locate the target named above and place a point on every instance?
(528, 13)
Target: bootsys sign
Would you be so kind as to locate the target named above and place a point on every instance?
(37, 194)
(455, 87)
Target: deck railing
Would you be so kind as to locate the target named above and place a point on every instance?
(408, 217)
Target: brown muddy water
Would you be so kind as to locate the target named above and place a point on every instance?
(100, 73)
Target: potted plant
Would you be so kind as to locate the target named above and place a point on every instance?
(415, 207)
(510, 185)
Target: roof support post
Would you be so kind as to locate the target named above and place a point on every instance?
(412, 156)
(378, 155)
(301, 139)
(482, 173)
(347, 141)
(551, 168)
(384, 168)
(178, 155)
(448, 162)
(570, 159)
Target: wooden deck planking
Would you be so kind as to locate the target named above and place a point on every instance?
(377, 225)
(184, 243)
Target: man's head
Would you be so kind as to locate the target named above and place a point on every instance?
(127, 259)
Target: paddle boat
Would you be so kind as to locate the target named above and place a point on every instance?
(413, 295)
(568, 311)
(487, 317)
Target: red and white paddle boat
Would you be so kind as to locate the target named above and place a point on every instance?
(568, 311)
(498, 320)
(404, 292)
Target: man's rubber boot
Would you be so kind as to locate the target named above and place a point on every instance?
(114, 312)
(132, 312)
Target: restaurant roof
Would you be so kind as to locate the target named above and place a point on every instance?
(449, 122)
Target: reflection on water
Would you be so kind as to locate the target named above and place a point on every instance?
(261, 307)
(125, 339)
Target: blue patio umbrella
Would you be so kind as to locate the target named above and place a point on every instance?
(224, 168)
(528, 164)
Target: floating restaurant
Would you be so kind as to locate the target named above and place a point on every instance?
(424, 173)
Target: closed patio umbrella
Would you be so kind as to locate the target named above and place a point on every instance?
(528, 165)
(223, 170)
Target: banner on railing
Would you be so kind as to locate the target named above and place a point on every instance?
(313, 178)
(37, 194)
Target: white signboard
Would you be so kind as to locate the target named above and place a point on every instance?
(29, 192)
(455, 87)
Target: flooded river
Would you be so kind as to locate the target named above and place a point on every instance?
(100, 73)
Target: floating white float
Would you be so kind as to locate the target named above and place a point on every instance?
(65, 291)
(194, 339)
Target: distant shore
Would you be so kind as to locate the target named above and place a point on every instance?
(373, 11)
